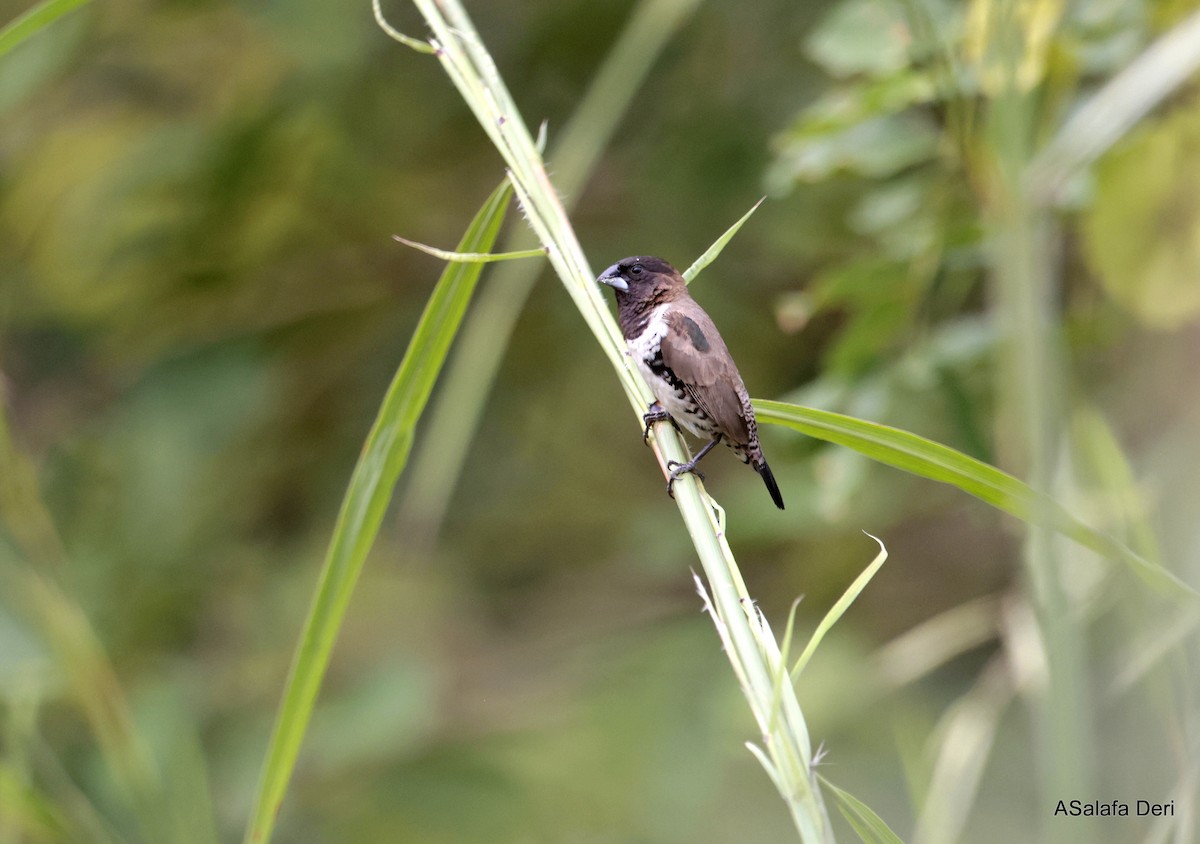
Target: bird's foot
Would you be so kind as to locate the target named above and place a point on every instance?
(676, 469)
(655, 413)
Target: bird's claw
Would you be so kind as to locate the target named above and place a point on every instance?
(655, 413)
(676, 469)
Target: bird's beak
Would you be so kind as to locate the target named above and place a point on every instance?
(612, 277)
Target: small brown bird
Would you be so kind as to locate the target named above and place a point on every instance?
(685, 362)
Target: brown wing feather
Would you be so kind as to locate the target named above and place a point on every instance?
(694, 350)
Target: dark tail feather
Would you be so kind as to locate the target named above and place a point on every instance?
(769, 479)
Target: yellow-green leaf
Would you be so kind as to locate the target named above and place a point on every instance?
(1142, 233)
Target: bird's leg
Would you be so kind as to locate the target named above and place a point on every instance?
(655, 413)
(678, 468)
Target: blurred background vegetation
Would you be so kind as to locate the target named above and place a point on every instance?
(201, 306)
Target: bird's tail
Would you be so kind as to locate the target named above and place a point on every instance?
(769, 479)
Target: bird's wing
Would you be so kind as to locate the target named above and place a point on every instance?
(695, 352)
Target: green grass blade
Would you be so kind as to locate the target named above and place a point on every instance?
(713, 251)
(471, 257)
(838, 609)
(928, 459)
(34, 21)
(870, 827)
(383, 457)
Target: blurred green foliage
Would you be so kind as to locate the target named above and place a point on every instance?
(1140, 232)
(201, 306)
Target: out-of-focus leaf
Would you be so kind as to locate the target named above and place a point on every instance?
(861, 36)
(877, 295)
(862, 129)
(875, 147)
(847, 106)
(1104, 35)
(888, 206)
(910, 217)
(1142, 234)
(997, 56)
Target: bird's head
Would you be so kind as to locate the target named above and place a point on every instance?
(642, 278)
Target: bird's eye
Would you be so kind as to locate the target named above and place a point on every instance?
(636, 269)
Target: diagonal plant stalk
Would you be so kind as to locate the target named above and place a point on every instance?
(784, 733)
(457, 409)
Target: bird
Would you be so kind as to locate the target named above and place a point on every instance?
(680, 353)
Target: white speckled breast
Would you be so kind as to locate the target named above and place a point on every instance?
(645, 349)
